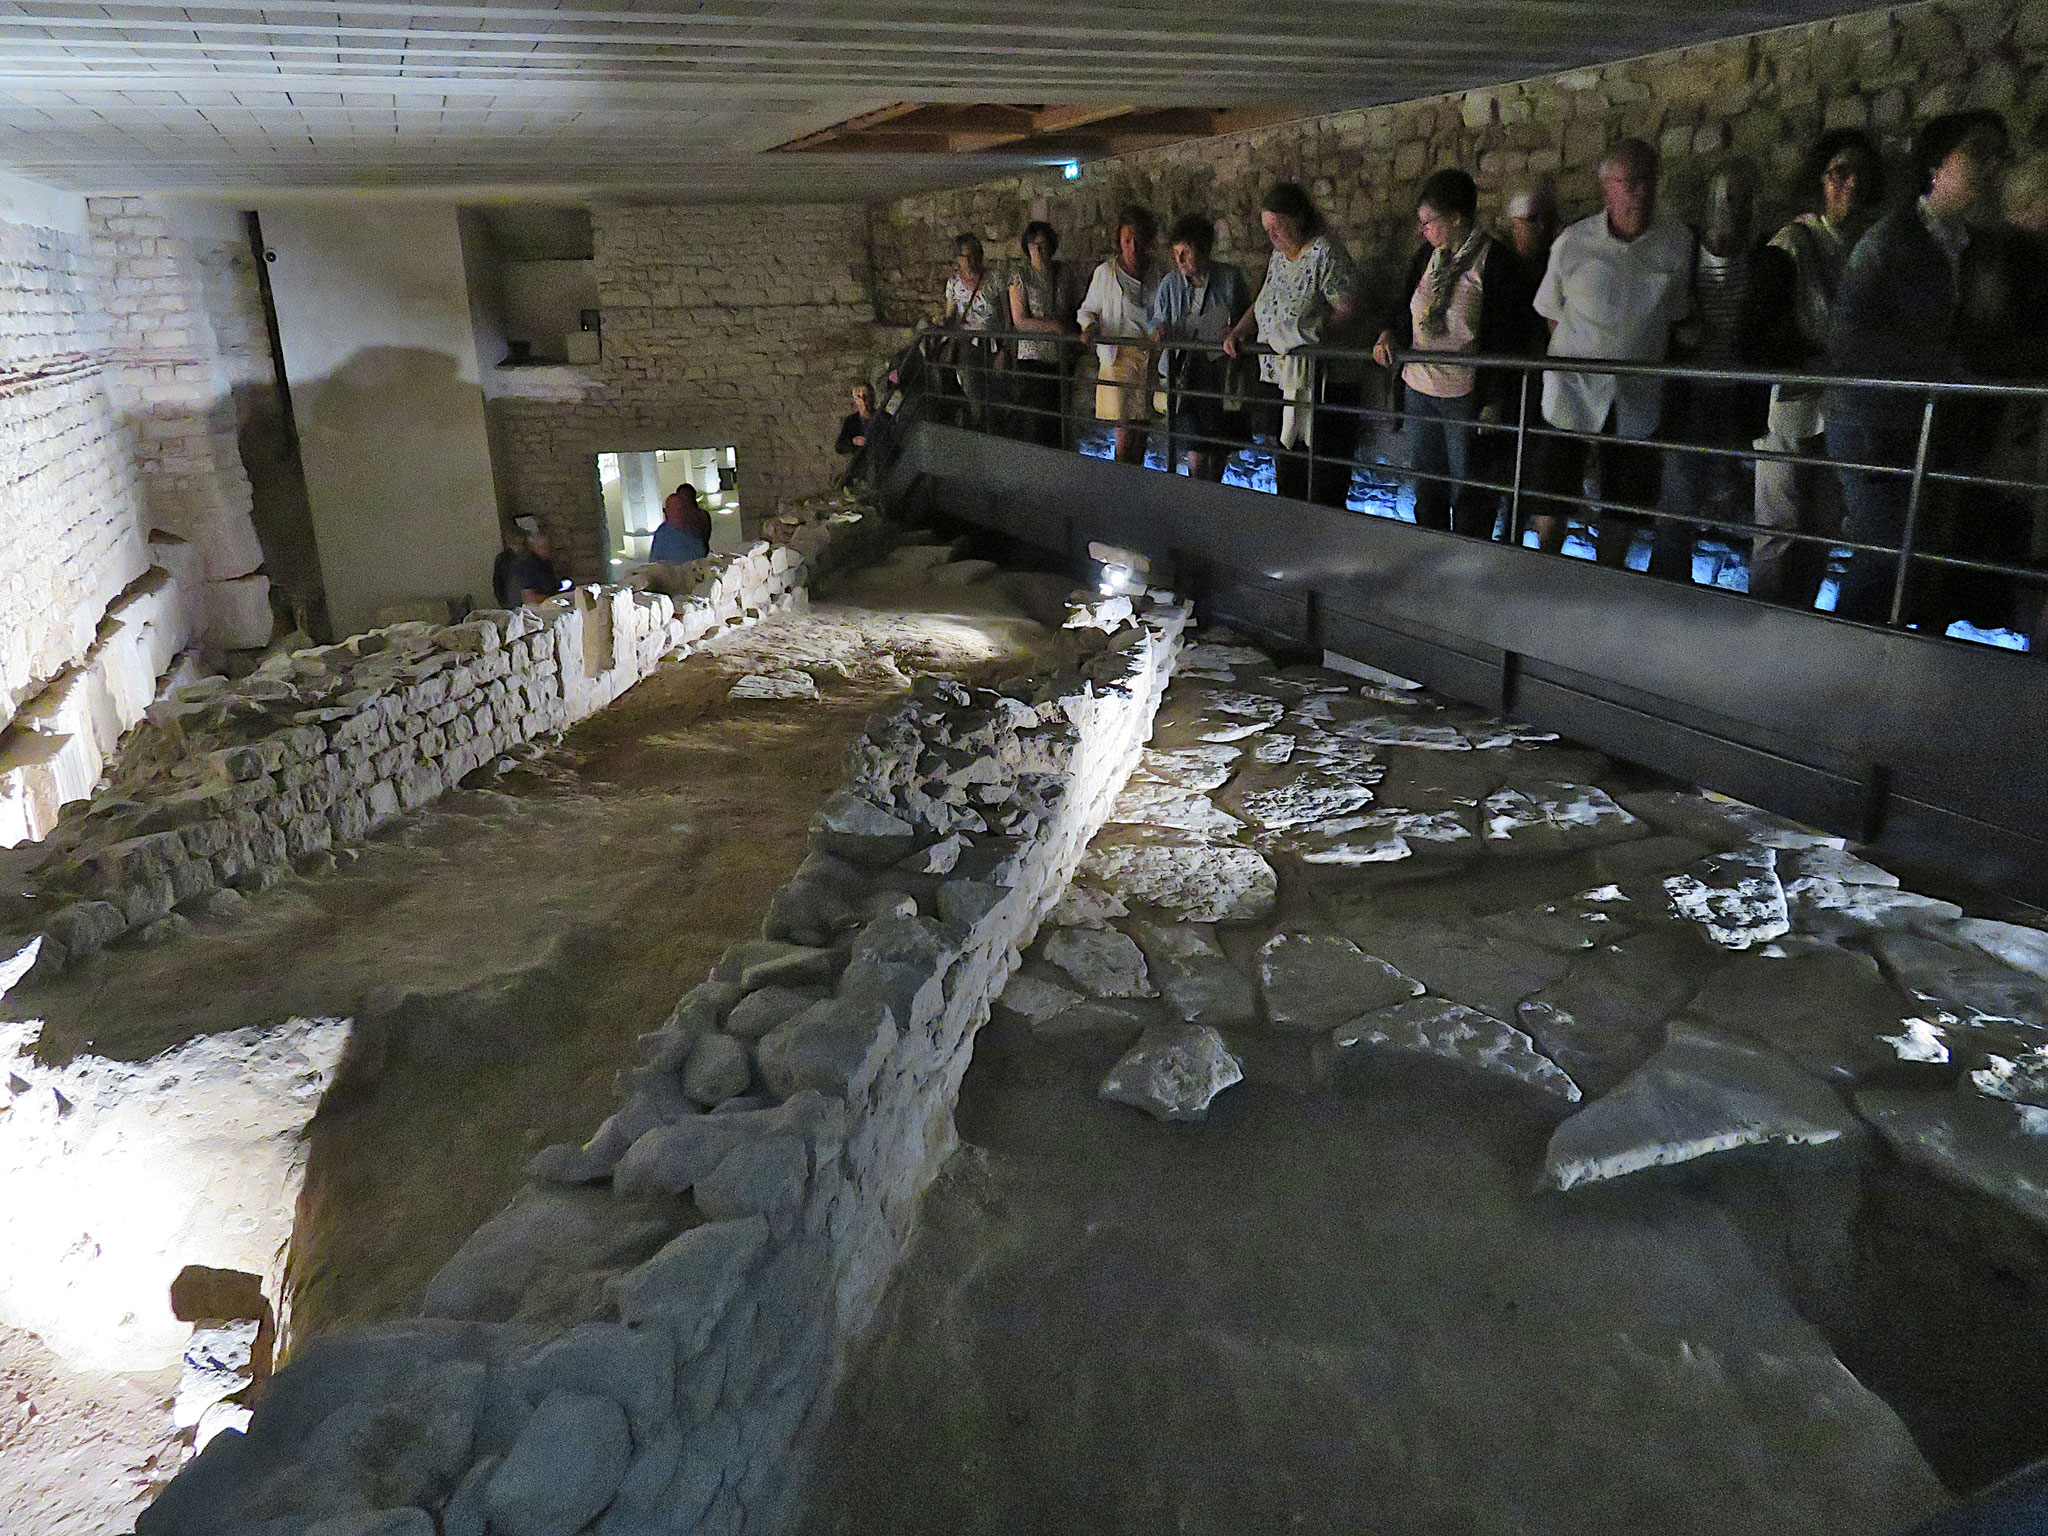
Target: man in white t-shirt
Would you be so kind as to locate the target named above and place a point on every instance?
(1616, 285)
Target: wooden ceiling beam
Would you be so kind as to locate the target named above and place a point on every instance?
(1062, 119)
(860, 123)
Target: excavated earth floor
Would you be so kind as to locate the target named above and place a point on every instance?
(498, 952)
(1353, 1297)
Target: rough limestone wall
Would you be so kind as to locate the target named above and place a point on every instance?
(740, 326)
(232, 783)
(70, 504)
(171, 377)
(1768, 96)
(788, 1118)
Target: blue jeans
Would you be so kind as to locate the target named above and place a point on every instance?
(1874, 509)
(1440, 444)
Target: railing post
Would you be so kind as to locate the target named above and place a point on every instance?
(1913, 501)
(1515, 487)
(1308, 427)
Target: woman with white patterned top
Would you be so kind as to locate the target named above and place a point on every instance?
(1309, 296)
(971, 307)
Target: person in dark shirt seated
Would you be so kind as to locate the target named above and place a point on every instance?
(523, 573)
(685, 531)
(863, 437)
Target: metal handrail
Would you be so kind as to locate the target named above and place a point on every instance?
(1919, 474)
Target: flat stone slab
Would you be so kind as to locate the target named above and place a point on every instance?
(1606, 1017)
(1086, 906)
(1316, 796)
(1464, 964)
(1202, 767)
(775, 685)
(1701, 1094)
(1314, 982)
(2021, 947)
(2021, 1079)
(1194, 976)
(1034, 998)
(1720, 822)
(1736, 898)
(1103, 961)
(1094, 1018)
(1979, 1143)
(1962, 978)
(1173, 1073)
(1379, 731)
(1434, 1026)
(1147, 804)
(1548, 817)
(1222, 657)
(1202, 882)
(1831, 1010)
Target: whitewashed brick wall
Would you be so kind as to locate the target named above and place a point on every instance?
(72, 528)
(169, 375)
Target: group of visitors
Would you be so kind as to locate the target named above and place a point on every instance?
(1946, 285)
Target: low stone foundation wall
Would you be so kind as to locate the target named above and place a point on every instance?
(647, 1338)
(61, 740)
(228, 785)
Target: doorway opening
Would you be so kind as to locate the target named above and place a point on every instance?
(636, 484)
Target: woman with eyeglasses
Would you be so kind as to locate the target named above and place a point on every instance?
(1796, 277)
(1466, 295)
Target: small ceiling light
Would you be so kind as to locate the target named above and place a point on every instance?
(1071, 170)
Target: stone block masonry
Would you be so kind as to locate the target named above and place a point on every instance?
(647, 1339)
(740, 326)
(229, 785)
(1769, 96)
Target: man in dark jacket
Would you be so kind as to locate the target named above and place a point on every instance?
(1920, 300)
(863, 438)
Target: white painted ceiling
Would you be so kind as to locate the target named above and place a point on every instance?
(676, 99)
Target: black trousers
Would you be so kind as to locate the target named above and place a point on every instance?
(1631, 474)
(1328, 481)
(1035, 387)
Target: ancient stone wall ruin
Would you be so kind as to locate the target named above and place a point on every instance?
(1767, 96)
(648, 1337)
(232, 783)
(739, 326)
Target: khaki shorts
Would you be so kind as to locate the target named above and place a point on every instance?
(1123, 392)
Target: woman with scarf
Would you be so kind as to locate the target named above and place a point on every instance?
(1466, 294)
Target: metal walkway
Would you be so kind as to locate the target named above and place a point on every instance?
(1932, 752)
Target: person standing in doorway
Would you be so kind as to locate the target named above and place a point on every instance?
(1793, 293)
(1112, 316)
(685, 531)
(1616, 286)
(1465, 294)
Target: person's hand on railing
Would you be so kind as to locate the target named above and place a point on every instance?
(1383, 350)
(1091, 332)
